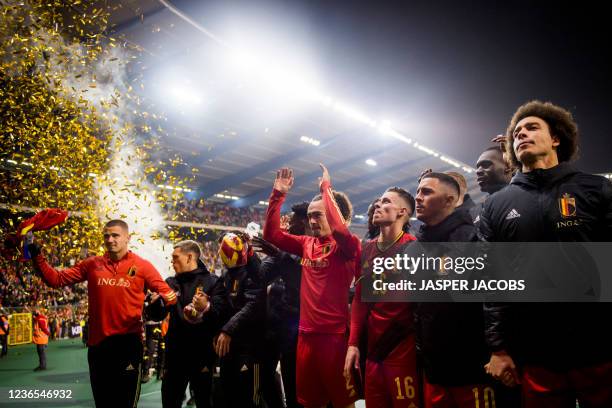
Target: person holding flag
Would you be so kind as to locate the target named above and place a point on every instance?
(117, 283)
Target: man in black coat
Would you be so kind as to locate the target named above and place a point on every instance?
(282, 272)
(450, 336)
(195, 320)
(559, 352)
(241, 341)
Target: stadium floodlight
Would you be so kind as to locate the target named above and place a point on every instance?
(359, 216)
(326, 101)
(425, 149)
(244, 61)
(451, 162)
(353, 113)
(277, 80)
(175, 188)
(371, 162)
(310, 140)
(185, 96)
(290, 82)
(227, 197)
(385, 129)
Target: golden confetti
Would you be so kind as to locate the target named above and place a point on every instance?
(56, 143)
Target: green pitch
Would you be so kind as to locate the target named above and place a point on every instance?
(66, 370)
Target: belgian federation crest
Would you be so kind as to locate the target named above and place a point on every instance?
(132, 271)
(567, 205)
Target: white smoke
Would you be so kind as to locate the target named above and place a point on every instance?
(123, 193)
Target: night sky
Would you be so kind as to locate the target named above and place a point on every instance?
(458, 70)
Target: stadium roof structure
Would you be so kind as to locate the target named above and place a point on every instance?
(237, 137)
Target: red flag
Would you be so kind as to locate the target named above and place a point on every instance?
(43, 220)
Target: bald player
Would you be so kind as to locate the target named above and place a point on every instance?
(116, 284)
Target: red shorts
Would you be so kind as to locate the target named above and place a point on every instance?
(391, 386)
(394, 382)
(465, 396)
(319, 371)
(591, 386)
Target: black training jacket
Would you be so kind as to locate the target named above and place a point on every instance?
(246, 295)
(450, 336)
(283, 272)
(559, 204)
(190, 344)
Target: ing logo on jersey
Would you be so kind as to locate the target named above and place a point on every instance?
(567, 206)
(326, 249)
(132, 271)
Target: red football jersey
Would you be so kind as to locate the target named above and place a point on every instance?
(328, 265)
(379, 316)
(116, 291)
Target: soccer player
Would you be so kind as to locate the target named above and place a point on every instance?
(329, 259)
(450, 336)
(559, 352)
(492, 174)
(391, 372)
(465, 202)
(116, 283)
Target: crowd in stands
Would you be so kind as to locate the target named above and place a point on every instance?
(19, 287)
(62, 320)
(207, 212)
(211, 257)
